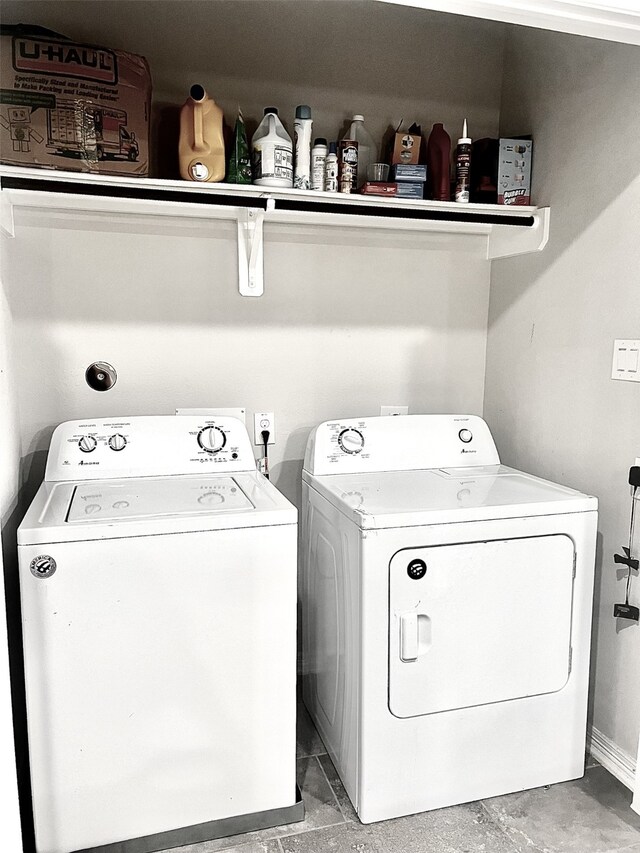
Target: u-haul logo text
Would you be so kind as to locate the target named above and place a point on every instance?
(45, 56)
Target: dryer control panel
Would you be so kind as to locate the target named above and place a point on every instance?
(399, 443)
(153, 446)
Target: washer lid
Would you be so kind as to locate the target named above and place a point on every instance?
(119, 500)
(437, 496)
(145, 506)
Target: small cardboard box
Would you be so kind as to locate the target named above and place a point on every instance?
(408, 173)
(72, 106)
(379, 188)
(406, 148)
(514, 171)
(410, 189)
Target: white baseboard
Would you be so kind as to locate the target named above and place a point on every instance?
(618, 762)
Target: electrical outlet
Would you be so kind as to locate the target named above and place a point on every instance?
(262, 421)
(393, 410)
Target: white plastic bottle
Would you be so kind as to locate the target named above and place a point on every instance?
(331, 169)
(302, 135)
(367, 148)
(272, 152)
(318, 159)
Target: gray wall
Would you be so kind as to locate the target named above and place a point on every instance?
(553, 317)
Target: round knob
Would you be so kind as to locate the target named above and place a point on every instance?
(117, 442)
(87, 443)
(212, 439)
(351, 440)
(465, 435)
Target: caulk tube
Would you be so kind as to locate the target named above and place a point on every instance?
(302, 141)
(463, 166)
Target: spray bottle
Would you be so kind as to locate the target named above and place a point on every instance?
(463, 166)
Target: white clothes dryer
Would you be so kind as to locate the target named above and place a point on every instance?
(158, 585)
(446, 614)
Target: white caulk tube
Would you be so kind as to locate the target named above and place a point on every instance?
(302, 141)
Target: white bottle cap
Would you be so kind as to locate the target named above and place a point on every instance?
(358, 118)
(464, 139)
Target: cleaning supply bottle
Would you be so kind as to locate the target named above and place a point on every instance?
(318, 160)
(272, 152)
(439, 164)
(201, 141)
(331, 169)
(463, 166)
(367, 149)
(302, 136)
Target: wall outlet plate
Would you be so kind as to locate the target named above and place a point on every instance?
(240, 414)
(385, 411)
(261, 421)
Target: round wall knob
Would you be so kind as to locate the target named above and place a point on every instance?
(465, 435)
(87, 443)
(212, 439)
(351, 440)
(117, 442)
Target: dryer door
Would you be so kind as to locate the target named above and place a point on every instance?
(479, 622)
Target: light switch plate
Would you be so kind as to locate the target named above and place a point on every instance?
(626, 360)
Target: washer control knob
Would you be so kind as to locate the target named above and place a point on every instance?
(351, 440)
(212, 439)
(117, 442)
(87, 443)
(465, 435)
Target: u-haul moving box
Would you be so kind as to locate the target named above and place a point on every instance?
(72, 106)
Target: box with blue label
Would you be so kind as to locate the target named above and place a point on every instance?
(414, 172)
(410, 189)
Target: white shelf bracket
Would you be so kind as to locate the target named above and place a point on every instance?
(250, 251)
(7, 225)
(505, 241)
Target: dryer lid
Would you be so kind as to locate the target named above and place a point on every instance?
(410, 498)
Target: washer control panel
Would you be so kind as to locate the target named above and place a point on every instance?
(400, 443)
(151, 446)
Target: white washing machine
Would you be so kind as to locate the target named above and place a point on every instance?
(446, 614)
(158, 586)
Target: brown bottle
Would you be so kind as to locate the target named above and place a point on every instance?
(439, 164)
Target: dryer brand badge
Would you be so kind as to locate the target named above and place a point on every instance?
(43, 566)
(45, 56)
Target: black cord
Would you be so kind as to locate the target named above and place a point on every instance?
(632, 525)
(265, 439)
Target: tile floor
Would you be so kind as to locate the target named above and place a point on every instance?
(590, 815)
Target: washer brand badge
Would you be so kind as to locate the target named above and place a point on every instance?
(43, 566)
(45, 56)
(464, 450)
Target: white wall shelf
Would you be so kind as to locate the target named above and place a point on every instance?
(613, 21)
(508, 230)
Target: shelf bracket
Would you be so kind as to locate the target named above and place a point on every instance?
(250, 251)
(7, 225)
(505, 241)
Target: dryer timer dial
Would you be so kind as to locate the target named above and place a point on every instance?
(351, 440)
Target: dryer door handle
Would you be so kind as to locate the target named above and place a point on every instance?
(415, 635)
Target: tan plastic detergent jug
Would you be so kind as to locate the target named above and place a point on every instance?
(201, 143)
